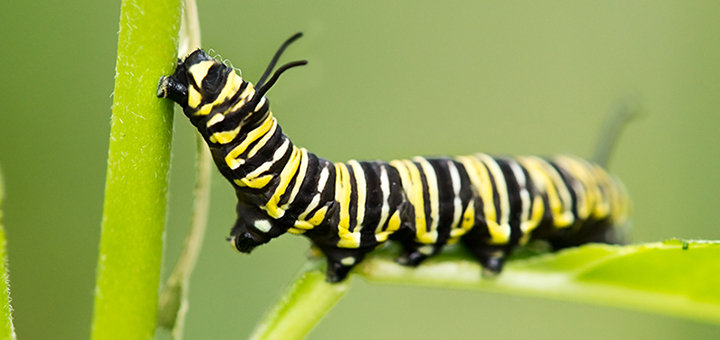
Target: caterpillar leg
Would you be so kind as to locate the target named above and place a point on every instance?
(341, 260)
(491, 258)
(415, 253)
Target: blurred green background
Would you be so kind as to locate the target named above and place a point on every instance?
(386, 79)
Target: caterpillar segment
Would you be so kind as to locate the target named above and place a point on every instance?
(490, 204)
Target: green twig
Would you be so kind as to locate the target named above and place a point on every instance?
(173, 303)
(133, 220)
(302, 306)
(675, 278)
(7, 329)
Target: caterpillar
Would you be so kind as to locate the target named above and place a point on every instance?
(491, 204)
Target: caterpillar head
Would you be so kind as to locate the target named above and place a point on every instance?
(197, 80)
(252, 228)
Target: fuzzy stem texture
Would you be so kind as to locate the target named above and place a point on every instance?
(131, 243)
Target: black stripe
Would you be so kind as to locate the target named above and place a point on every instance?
(373, 202)
(352, 206)
(567, 178)
(210, 86)
(513, 191)
(426, 197)
(496, 196)
(396, 198)
(446, 198)
(226, 105)
(308, 187)
(466, 192)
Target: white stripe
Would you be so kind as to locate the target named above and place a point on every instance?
(279, 153)
(321, 185)
(217, 118)
(385, 189)
(524, 194)
(361, 187)
(260, 104)
(457, 202)
(299, 179)
(501, 186)
(433, 194)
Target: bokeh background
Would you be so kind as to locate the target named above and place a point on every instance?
(386, 79)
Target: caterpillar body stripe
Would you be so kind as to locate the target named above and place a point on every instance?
(490, 204)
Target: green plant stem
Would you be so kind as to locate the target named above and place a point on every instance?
(173, 303)
(302, 305)
(674, 278)
(660, 278)
(133, 220)
(7, 329)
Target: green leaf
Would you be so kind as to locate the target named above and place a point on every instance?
(133, 220)
(675, 278)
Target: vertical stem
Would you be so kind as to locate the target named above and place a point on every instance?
(173, 303)
(7, 330)
(133, 220)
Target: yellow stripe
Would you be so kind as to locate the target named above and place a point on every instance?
(411, 192)
(468, 222)
(314, 221)
(342, 196)
(255, 182)
(393, 225)
(602, 207)
(200, 70)
(224, 137)
(417, 200)
(481, 181)
(299, 179)
(545, 185)
(319, 216)
(232, 85)
(584, 184)
(279, 153)
(502, 234)
(243, 98)
(285, 176)
(563, 192)
(295, 231)
(262, 141)
(361, 185)
(531, 214)
(194, 97)
(324, 173)
(620, 214)
(231, 157)
(433, 195)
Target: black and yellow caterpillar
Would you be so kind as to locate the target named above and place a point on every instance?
(491, 204)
